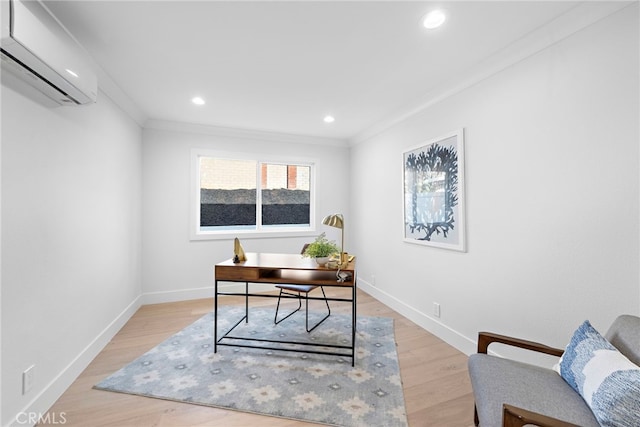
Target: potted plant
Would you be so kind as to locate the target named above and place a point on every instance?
(321, 249)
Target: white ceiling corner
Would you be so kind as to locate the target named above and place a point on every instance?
(563, 26)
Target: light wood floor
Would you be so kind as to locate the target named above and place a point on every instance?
(436, 384)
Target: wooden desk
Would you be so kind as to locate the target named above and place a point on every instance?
(277, 269)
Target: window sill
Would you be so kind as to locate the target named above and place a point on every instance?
(245, 234)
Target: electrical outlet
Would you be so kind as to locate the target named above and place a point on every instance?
(28, 379)
(436, 309)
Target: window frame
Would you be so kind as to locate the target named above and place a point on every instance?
(195, 233)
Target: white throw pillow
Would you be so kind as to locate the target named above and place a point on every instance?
(607, 381)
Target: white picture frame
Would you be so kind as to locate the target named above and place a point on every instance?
(433, 192)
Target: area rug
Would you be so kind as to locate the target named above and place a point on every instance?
(318, 388)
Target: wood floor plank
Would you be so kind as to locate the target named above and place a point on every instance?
(434, 375)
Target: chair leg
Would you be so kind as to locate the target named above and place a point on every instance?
(275, 320)
(307, 311)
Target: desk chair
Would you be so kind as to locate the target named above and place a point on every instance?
(286, 289)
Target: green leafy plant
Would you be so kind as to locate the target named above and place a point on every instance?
(321, 247)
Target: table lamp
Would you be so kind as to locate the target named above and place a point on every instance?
(337, 221)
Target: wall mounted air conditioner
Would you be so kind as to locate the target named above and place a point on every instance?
(39, 50)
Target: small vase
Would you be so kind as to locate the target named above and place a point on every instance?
(322, 260)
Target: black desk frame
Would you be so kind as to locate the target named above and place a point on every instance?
(257, 270)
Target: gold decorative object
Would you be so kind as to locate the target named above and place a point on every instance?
(238, 251)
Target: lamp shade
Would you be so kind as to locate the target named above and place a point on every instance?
(334, 220)
(337, 221)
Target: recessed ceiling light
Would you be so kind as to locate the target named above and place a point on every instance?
(434, 19)
(73, 73)
(197, 100)
(329, 119)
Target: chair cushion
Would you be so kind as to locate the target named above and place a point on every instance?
(297, 288)
(496, 381)
(624, 334)
(607, 380)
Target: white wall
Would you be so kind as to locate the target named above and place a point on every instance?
(71, 249)
(552, 197)
(552, 212)
(175, 268)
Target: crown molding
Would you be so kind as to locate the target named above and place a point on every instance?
(111, 90)
(576, 19)
(254, 134)
(108, 87)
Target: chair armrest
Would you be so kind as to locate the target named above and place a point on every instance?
(486, 338)
(513, 416)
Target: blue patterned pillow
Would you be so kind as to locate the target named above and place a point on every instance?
(604, 377)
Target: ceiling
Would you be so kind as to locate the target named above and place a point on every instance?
(281, 66)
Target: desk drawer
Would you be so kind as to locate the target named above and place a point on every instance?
(236, 273)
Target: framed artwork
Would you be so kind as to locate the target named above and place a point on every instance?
(433, 192)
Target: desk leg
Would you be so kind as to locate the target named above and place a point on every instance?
(246, 301)
(215, 318)
(354, 321)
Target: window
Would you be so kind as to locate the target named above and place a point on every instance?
(241, 196)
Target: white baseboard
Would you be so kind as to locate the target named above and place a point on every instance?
(199, 293)
(52, 391)
(174, 296)
(48, 396)
(442, 331)
(452, 337)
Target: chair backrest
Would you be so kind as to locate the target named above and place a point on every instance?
(624, 334)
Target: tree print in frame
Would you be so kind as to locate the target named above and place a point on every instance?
(433, 189)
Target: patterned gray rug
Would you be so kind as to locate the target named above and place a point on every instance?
(317, 388)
